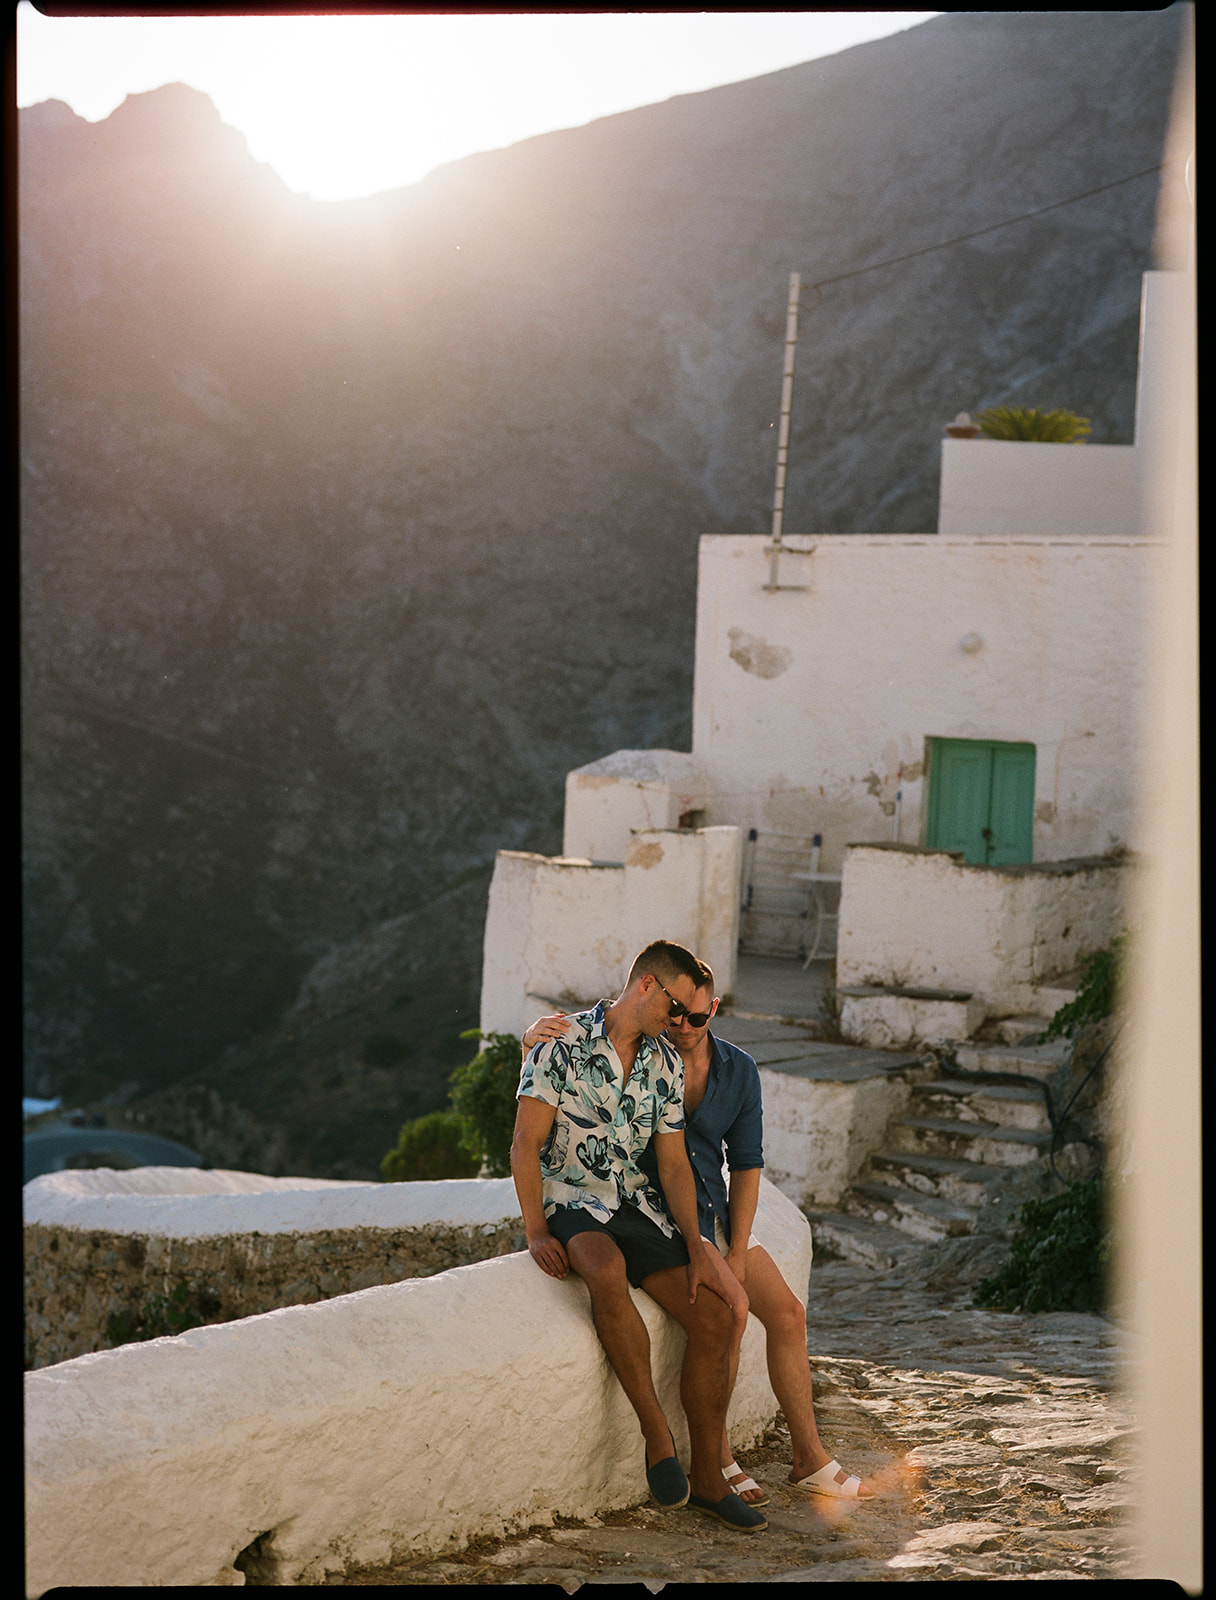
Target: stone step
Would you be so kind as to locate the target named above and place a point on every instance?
(1015, 1030)
(838, 1234)
(988, 1144)
(1004, 1105)
(1049, 997)
(1042, 1061)
(924, 1216)
(966, 1183)
(887, 1017)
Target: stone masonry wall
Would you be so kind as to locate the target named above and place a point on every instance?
(77, 1280)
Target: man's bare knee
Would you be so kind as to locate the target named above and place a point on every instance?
(785, 1316)
(601, 1266)
(739, 1315)
(710, 1318)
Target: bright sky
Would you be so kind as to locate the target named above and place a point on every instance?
(346, 105)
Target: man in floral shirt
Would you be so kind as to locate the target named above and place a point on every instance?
(589, 1104)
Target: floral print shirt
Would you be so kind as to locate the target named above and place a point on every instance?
(603, 1124)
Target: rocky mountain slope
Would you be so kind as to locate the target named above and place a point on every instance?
(349, 528)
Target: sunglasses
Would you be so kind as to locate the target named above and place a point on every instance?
(680, 1012)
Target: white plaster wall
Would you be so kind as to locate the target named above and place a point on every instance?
(684, 886)
(626, 792)
(409, 1417)
(562, 932)
(812, 707)
(717, 940)
(817, 1134)
(925, 919)
(554, 935)
(190, 1203)
(1006, 489)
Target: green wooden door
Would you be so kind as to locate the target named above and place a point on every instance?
(981, 800)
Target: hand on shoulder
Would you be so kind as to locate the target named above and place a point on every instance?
(551, 1027)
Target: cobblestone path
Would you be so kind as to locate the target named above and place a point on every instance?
(1001, 1441)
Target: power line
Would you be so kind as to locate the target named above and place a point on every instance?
(72, 701)
(978, 233)
(796, 287)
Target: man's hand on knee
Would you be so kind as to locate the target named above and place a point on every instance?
(703, 1274)
(549, 1254)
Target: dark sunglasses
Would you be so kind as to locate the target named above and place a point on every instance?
(679, 1011)
(697, 1019)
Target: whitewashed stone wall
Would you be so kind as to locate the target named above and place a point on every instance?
(1005, 489)
(818, 1133)
(920, 918)
(562, 932)
(104, 1245)
(812, 706)
(408, 1417)
(630, 791)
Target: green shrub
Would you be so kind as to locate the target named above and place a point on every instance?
(1028, 422)
(1097, 993)
(483, 1096)
(475, 1130)
(430, 1147)
(159, 1315)
(1059, 1258)
(829, 1011)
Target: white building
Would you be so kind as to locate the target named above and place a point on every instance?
(974, 691)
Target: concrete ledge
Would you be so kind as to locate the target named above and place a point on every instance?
(190, 1202)
(824, 1115)
(1002, 488)
(914, 919)
(891, 1018)
(308, 1440)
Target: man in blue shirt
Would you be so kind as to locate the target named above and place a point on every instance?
(723, 1115)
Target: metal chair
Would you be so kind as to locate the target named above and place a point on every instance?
(786, 909)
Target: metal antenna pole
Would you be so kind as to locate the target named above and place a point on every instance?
(783, 427)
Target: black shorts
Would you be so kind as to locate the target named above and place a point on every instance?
(644, 1245)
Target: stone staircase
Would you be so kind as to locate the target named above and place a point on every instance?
(971, 1148)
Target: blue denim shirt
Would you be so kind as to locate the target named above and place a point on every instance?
(729, 1119)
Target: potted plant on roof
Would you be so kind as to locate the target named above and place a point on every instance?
(1028, 422)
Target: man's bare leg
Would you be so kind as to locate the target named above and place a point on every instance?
(789, 1370)
(622, 1332)
(704, 1375)
(739, 1309)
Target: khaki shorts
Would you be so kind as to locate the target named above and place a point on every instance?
(720, 1237)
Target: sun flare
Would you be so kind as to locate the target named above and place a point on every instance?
(354, 104)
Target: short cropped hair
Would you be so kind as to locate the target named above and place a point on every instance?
(667, 961)
(707, 978)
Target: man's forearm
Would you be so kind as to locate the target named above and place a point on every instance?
(680, 1192)
(743, 1197)
(525, 1170)
(529, 1190)
(548, 1252)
